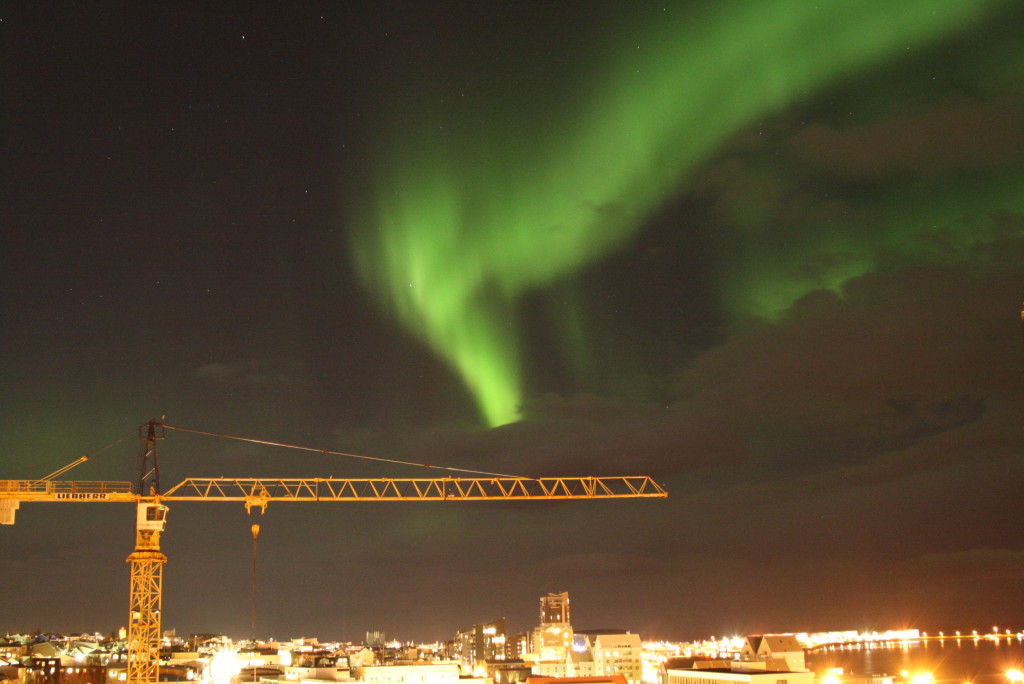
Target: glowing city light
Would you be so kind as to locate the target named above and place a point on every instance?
(223, 666)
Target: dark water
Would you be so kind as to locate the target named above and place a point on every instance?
(951, 661)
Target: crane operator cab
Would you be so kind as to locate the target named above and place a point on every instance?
(151, 517)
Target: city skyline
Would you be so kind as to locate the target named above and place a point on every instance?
(771, 255)
(710, 643)
(827, 658)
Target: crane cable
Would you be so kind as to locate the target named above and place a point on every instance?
(328, 452)
(82, 459)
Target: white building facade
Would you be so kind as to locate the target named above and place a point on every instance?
(737, 676)
(447, 673)
(618, 654)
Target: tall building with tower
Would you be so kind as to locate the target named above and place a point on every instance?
(554, 609)
(552, 639)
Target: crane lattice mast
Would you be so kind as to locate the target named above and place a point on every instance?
(147, 566)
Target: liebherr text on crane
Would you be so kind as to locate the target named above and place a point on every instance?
(147, 561)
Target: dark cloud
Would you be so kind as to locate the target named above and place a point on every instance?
(973, 564)
(252, 372)
(926, 142)
(582, 435)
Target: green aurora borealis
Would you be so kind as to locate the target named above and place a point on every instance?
(483, 189)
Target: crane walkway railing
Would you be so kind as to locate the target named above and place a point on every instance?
(70, 490)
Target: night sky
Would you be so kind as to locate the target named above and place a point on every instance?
(771, 254)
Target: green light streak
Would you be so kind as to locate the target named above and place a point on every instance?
(468, 212)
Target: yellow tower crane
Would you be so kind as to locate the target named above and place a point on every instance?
(147, 561)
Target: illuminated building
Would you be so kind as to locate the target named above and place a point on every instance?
(364, 656)
(552, 640)
(737, 674)
(408, 674)
(509, 671)
(777, 651)
(518, 645)
(320, 666)
(51, 671)
(555, 668)
(618, 654)
(462, 648)
(836, 676)
(491, 641)
(613, 679)
(687, 663)
(486, 641)
(554, 609)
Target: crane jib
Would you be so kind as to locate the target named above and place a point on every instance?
(261, 491)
